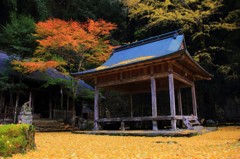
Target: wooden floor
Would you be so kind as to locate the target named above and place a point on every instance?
(150, 133)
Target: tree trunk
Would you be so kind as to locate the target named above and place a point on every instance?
(73, 113)
(80, 64)
(11, 98)
(15, 110)
(73, 107)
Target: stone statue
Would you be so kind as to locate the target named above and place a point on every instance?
(25, 115)
(26, 108)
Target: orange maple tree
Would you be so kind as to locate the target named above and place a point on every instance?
(72, 41)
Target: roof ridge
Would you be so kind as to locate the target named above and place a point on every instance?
(149, 40)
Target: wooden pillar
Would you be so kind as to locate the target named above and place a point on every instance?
(30, 99)
(67, 109)
(32, 103)
(194, 101)
(179, 97)
(131, 105)
(154, 103)
(61, 92)
(122, 126)
(172, 100)
(67, 102)
(96, 108)
(50, 105)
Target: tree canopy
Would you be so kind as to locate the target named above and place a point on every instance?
(68, 43)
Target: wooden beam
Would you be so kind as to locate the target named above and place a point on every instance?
(161, 60)
(183, 68)
(130, 80)
(182, 79)
(179, 97)
(188, 61)
(154, 103)
(194, 101)
(96, 116)
(172, 100)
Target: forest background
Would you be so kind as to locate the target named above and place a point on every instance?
(211, 29)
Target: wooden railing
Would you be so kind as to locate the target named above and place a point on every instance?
(122, 120)
(146, 118)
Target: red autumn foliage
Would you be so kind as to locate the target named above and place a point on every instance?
(84, 40)
(71, 40)
(31, 66)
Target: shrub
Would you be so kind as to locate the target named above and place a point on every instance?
(16, 139)
(90, 125)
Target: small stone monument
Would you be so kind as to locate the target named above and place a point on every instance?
(25, 115)
(107, 112)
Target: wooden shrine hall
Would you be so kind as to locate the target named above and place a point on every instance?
(150, 65)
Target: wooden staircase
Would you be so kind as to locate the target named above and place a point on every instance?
(192, 123)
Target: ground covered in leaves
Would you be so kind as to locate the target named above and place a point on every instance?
(221, 144)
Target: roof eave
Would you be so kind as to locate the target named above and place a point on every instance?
(208, 76)
(121, 66)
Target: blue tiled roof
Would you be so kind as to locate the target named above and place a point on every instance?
(151, 50)
(155, 47)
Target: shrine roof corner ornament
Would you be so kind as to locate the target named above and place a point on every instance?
(165, 47)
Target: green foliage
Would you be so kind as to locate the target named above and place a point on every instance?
(7, 8)
(55, 81)
(90, 125)
(198, 18)
(71, 86)
(7, 83)
(16, 139)
(4, 82)
(16, 37)
(224, 69)
(42, 8)
(195, 17)
(86, 94)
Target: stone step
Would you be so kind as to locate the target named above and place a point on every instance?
(191, 123)
(51, 125)
(198, 128)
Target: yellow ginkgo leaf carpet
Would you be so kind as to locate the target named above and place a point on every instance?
(221, 144)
